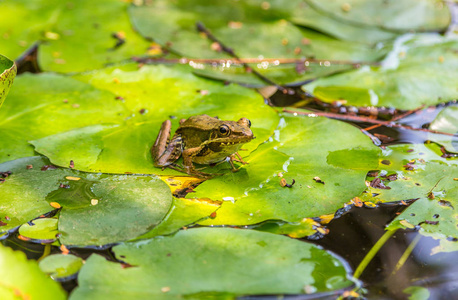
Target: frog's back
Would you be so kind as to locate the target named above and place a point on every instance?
(197, 129)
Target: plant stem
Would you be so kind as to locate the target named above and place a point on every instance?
(407, 253)
(374, 250)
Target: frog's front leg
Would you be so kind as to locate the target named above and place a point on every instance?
(188, 154)
(166, 151)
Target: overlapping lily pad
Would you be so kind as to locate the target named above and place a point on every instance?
(73, 36)
(22, 279)
(420, 70)
(301, 149)
(7, 74)
(400, 15)
(43, 230)
(446, 121)
(214, 261)
(309, 16)
(153, 94)
(96, 209)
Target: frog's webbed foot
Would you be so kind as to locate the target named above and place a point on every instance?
(238, 159)
(196, 172)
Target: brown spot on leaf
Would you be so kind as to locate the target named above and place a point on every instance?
(48, 167)
(378, 184)
(318, 180)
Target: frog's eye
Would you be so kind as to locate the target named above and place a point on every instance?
(224, 130)
(244, 122)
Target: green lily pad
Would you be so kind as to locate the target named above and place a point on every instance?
(311, 17)
(73, 37)
(61, 267)
(183, 212)
(97, 209)
(24, 279)
(7, 74)
(158, 92)
(42, 230)
(417, 293)
(301, 149)
(45, 104)
(446, 121)
(303, 228)
(418, 172)
(420, 70)
(173, 24)
(400, 15)
(207, 260)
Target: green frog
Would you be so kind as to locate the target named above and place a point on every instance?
(202, 140)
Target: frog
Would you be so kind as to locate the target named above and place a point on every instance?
(202, 140)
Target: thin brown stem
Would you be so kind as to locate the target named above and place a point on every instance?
(364, 120)
(201, 28)
(401, 116)
(324, 62)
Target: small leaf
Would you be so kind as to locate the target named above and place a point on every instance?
(7, 74)
(61, 267)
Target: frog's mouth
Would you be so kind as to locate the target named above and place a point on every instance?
(238, 141)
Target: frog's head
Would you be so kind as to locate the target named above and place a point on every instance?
(231, 133)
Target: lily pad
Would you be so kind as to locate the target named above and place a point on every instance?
(415, 172)
(173, 24)
(45, 104)
(420, 70)
(43, 230)
(24, 280)
(153, 94)
(7, 74)
(73, 37)
(328, 170)
(399, 15)
(191, 262)
(309, 16)
(96, 209)
(446, 121)
(61, 267)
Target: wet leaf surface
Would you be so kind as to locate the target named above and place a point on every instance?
(82, 30)
(422, 69)
(96, 209)
(218, 260)
(302, 148)
(22, 279)
(7, 74)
